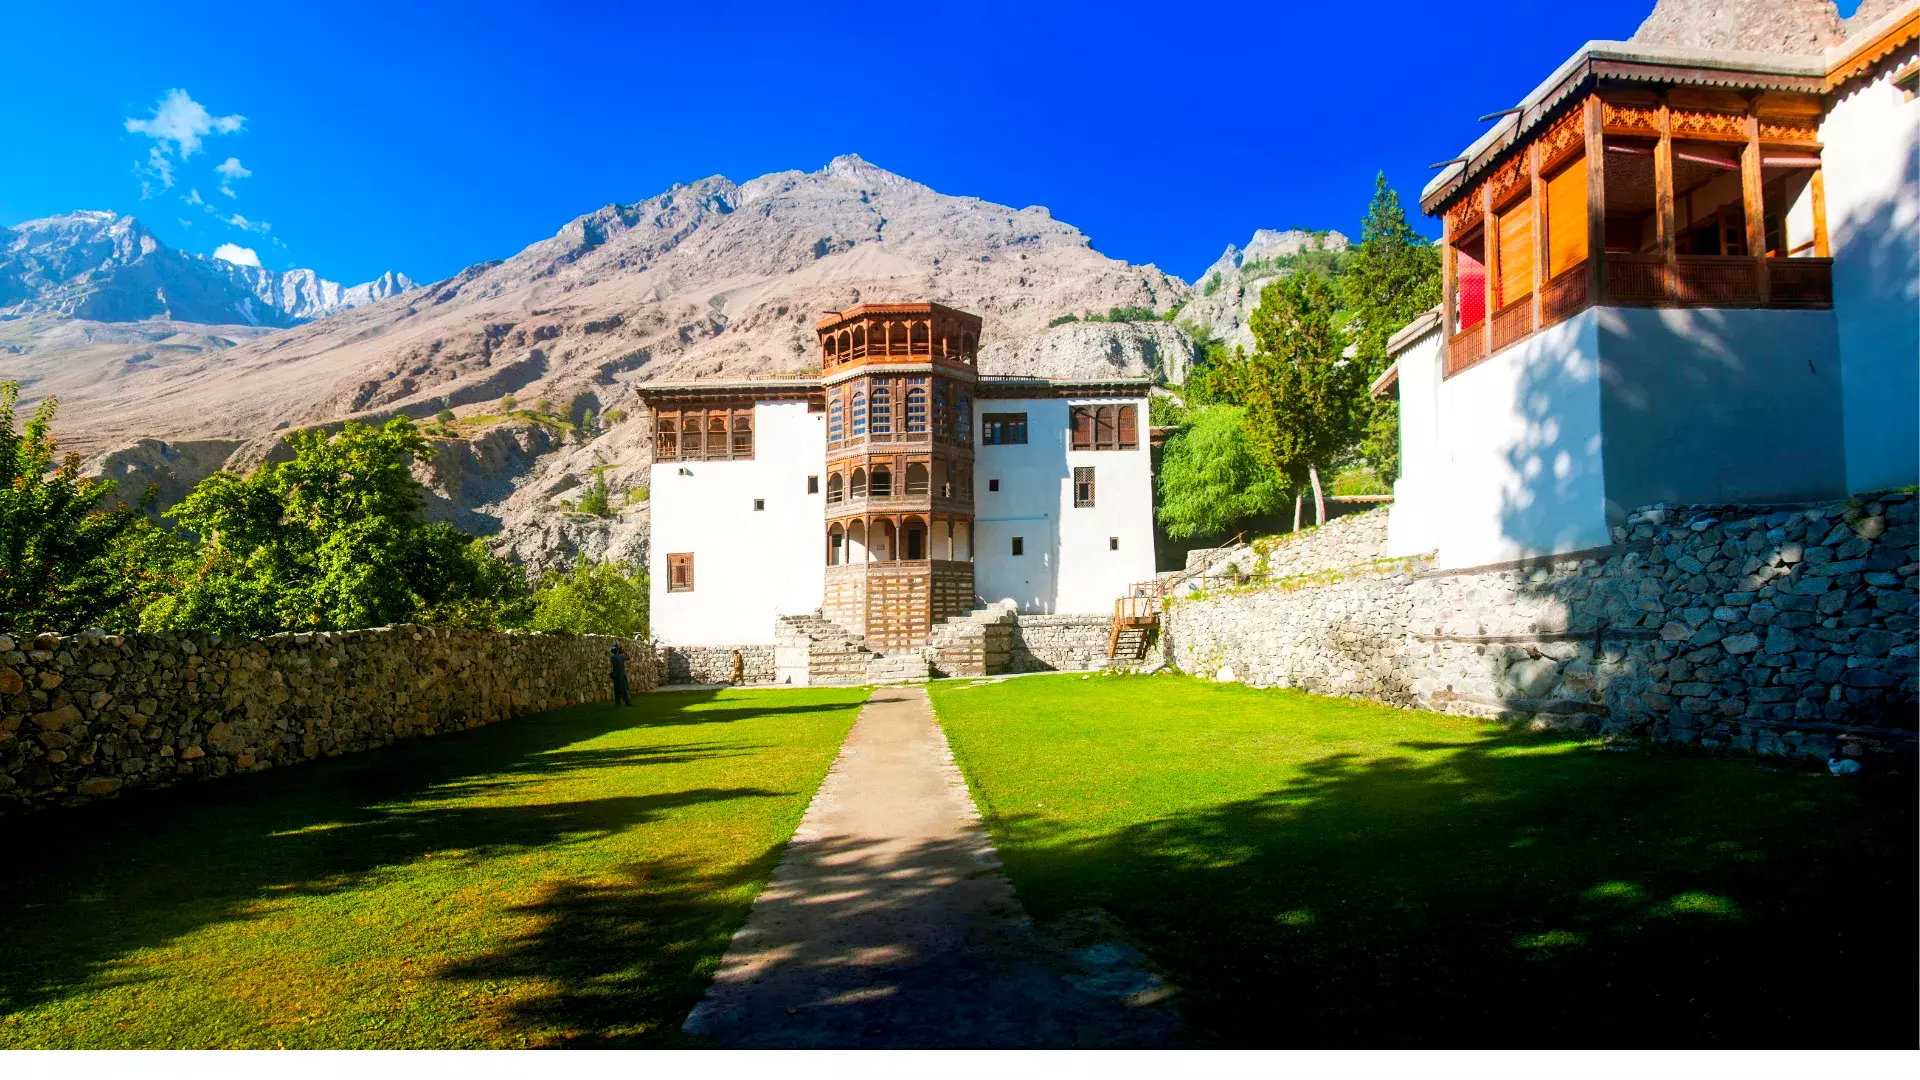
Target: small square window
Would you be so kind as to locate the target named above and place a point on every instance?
(1019, 545)
(1113, 543)
(759, 504)
(993, 485)
(813, 485)
(680, 572)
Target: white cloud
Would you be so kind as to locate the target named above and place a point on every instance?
(181, 121)
(193, 198)
(239, 221)
(237, 255)
(231, 170)
(177, 127)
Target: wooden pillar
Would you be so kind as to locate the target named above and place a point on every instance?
(1449, 275)
(1538, 197)
(1820, 248)
(1596, 201)
(1755, 206)
(1490, 259)
(1663, 200)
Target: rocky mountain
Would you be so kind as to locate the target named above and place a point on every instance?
(711, 278)
(103, 267)
(1229, 290)
(1794, 27)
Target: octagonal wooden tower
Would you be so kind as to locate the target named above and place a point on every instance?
(900, 385)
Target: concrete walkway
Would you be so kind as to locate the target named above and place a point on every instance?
(889, 923)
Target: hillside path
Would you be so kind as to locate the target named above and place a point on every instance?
(889, 923)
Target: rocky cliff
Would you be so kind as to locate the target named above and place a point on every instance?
(1229, 290)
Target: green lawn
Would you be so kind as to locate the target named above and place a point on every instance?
(1314, 871)
(565, 879)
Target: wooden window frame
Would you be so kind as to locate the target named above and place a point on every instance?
(1002, 425)
(692, 434)
(680, 572)
(1083, 487)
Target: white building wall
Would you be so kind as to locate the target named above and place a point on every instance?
(1414, 521)
(749, 566)
(1069, 565)
(1516, 465)
(1872, 142)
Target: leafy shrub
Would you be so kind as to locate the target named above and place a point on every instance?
(608, 598)
(614, 416)
(1063, 320)
(509, 405)
(445, 416)
(594, 500)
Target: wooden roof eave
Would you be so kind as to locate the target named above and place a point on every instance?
(1620, 62)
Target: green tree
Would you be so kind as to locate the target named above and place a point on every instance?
(603, 598)
(1211, 476)
(509, 405)
(329, 540)
(61, 564)
(444, 416)
(1390, 278)
(595, 501)
(459, 582)
(1302, 397)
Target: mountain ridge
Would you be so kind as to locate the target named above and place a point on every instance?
(107, 267)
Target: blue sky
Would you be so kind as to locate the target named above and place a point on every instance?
(427, 137)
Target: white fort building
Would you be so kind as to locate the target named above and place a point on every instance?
(897, 490)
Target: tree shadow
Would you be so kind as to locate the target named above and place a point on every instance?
(860, 942)
(1520, 890)
(88, 887)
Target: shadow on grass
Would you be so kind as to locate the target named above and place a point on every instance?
(1518, 891)
(89, 886)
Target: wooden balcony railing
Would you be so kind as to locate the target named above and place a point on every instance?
(1564, 296)
(1719, 281)
(1466, 348)
(1800, 282)
(1513, 322)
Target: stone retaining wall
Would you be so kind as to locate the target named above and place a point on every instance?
(1788, 631)
(685, 664)
(93, 714)
(1059, 643)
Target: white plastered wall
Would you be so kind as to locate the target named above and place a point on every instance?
(750, 567)
(1070, 564)
(1516, 459)
(1871, 138)
(1414, 521)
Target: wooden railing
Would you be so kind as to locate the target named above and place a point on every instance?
(1800, 282)
(1513, 322)
(1716, 281)
(1636, 279)
(1466, 348)
(1564, 296)
(1138, 610)
(1719, 281)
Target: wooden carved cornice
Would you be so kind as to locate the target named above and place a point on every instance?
(1699, 124)
(1632, 119)
(1797, 132)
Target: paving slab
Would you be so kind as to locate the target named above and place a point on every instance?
(889, 923)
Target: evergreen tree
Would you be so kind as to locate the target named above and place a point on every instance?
(1390, 278)
(1303, 398)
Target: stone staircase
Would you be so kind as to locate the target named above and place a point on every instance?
(977, 643)
(810, 650)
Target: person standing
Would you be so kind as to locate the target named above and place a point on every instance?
(620, 694)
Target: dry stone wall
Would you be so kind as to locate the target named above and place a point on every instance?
(92, 714)
(1058, 643)
(1342, 541)
(1781, 631)
(755, 665)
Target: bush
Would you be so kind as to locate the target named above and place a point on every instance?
(1211, 476)
(1063, 320)
(445, 416)
(509, 405)
(614, 416)
(608, 598)
(543, 406)
(65, 562)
